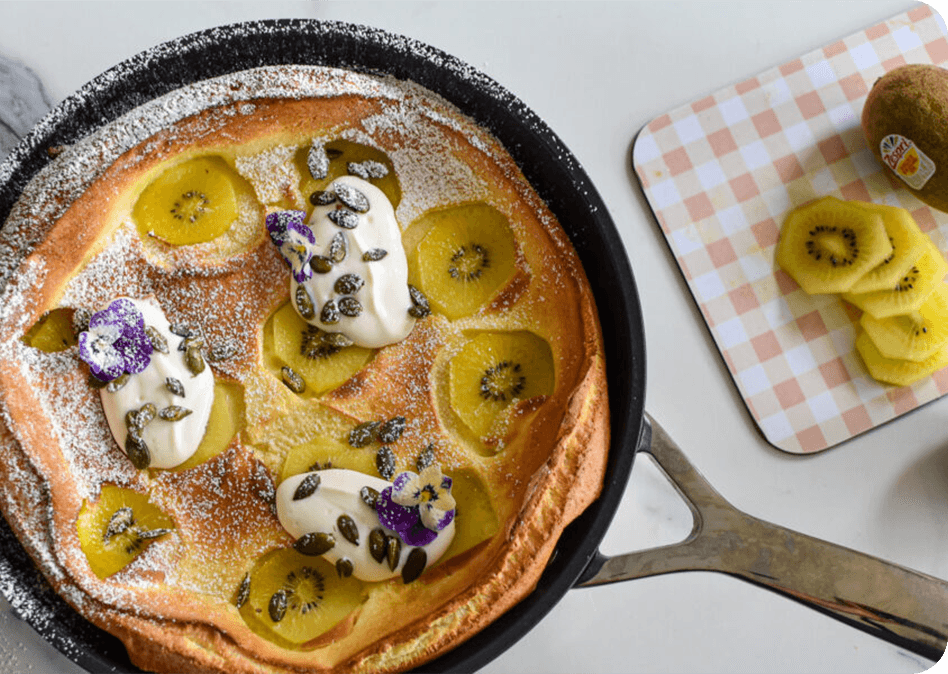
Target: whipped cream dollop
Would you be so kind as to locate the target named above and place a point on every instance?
(338, 495)
(170, 443)
(369, 270)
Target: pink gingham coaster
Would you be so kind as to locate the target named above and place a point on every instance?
(720, 175)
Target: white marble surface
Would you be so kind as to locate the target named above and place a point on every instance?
(597, 72)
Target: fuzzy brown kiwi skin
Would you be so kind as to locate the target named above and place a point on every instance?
(912, 101)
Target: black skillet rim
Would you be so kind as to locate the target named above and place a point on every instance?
(545, 161)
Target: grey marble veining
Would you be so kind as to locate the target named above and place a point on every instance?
(23, 101)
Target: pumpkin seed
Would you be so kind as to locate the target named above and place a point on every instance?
(367, 169)
(146, 414)
(136, 420)
(338, 247)
(317, 161)
(314, 344)
(315, 544)
(182, 330)
(195, 341)
(322, 197)
(175, 386)
(293, 381)
(152, 534)
(426, 458)
(80, 320)
(174, 413)
(420, 307)
(158, 341)
(348, 284)
(350, 306)
(393, 551)
(344, 218)
(369, 496)
(391, 430)
(374, 254)
(337, 339)
(352, 198)
(414, 565)
(131, 421)
(330, 313)
(117, 383)
(96, 383)
(344, 567)
(137, 451)
(119, 523)
(378, 544)
(362, 435)
(306, 488)
(277, 606)
(385, 463)
(194, 360)
(243, 591)
(348, 528)
(304, 303)
(222, 351)
(320, 264)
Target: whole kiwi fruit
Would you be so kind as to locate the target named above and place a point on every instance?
(905, 122)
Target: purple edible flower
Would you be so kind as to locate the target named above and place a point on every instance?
(294, 239)
(417, 507)
(116, 342)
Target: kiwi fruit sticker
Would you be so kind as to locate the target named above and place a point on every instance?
(907, 161)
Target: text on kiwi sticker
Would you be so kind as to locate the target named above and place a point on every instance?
(906, 160)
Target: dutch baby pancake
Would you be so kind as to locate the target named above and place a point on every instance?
(297, 373)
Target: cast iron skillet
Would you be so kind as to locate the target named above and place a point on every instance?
(902, 606)
(544, 160)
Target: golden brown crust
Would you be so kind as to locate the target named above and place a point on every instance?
(173, 607)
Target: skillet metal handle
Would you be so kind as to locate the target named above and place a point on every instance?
(899, 605)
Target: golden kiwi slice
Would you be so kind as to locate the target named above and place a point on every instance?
(311, 354)
(908, 244)
(53, 332)
(322, 453)
(320, 164)
(897, 371)
(910, 292)
(467, 255)
(295, 598)
(480, 521)
(188, 203)
(225, 421)
(916, 335)
(118, 527)
(829, 244)
(496, 370)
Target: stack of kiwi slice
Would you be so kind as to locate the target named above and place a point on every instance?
(879, 260)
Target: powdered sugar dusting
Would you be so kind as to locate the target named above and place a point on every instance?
(271, 173)
(205, 286)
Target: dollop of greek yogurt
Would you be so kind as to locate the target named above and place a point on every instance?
(170, 443)
(373, 273)
(338, 495)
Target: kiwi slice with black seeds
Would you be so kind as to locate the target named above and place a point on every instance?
(118, 527)
(188, 203)
(295, 598)
(494, 371)
(827, 245)
(466, 256)
(323, 360)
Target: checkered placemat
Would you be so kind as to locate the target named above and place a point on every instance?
(720, 175)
